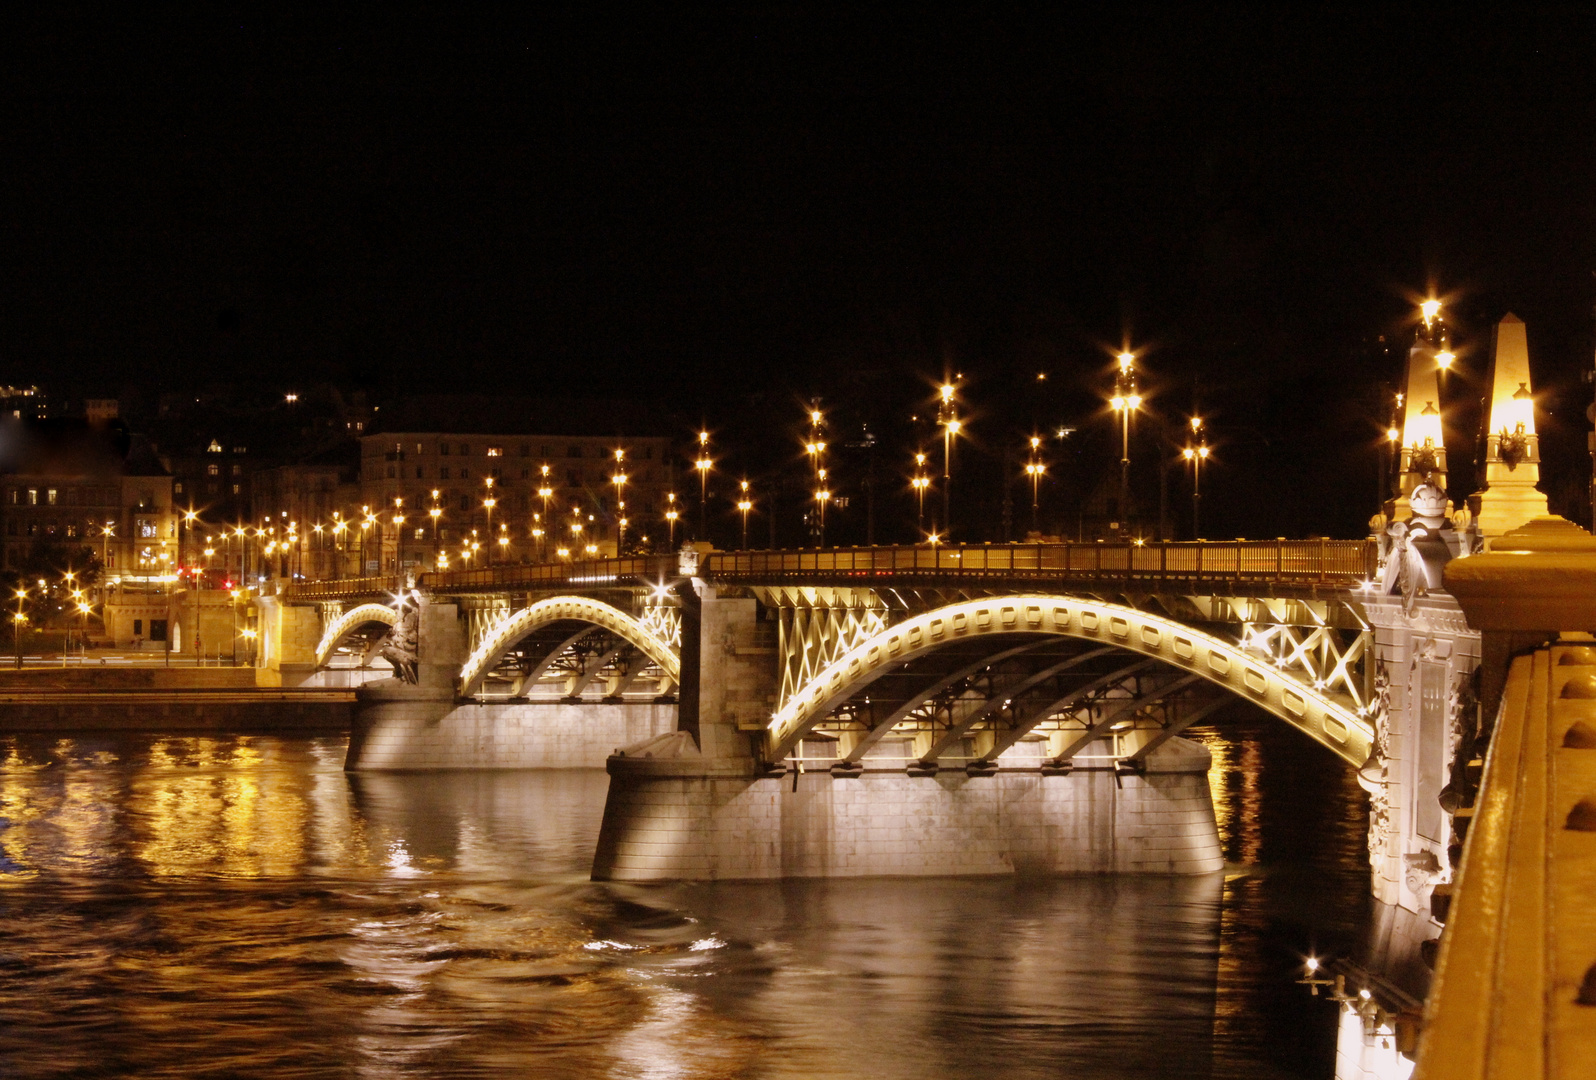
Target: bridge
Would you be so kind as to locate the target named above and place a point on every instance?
(939, 709)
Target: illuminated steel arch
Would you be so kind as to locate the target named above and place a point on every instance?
(1219, 662)
(580, 609)
(347, 623)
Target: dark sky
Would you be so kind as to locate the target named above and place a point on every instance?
(727, 214)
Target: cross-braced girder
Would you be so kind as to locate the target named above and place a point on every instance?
(1006, 700)
(358, 622)
(562, 621)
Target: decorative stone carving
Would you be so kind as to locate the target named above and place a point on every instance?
(1372, 777)
(399, 647)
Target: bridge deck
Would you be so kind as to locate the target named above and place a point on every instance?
(1283, 566)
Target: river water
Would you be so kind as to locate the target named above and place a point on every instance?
(239, 906)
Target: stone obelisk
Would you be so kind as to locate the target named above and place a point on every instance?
(1512, 449)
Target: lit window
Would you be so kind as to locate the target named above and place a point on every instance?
(495, 451)
(50, 496)
(213, 470)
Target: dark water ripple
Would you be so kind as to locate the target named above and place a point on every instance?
(238, 906)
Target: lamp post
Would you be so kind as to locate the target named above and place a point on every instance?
(744, 505)
(703, 465)
(1034, 470)
(822, 497)
(619, 480)
(919, 482)
(1125, 402)
(399, 537)
(947, 417)
(488, 503)
(671, 514)
(435, 512)
(1197, 455)
(545, 492)
(16, 624)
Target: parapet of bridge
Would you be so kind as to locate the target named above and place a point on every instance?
(1514, 993)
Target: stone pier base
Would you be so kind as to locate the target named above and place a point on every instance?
(397, 726)
(673, 816)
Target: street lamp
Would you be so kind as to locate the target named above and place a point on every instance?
(822, 497)
(488, 503)
(1197, 455)
(744, 505)
(947, 417)
(703, 465)
(619, 480)
(545, 492)
(399, 536)
(1034, 469)
(671, 514)
(1125, 401)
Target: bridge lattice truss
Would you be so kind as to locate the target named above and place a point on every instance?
(1121, 677)
(567, 644)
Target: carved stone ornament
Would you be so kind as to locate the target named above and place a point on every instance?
(399, 647)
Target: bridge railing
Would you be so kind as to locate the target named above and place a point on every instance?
(586, 574)
(1302, 561)
(339, 588)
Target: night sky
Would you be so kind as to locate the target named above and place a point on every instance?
(724, 216)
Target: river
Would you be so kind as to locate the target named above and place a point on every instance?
(240, 906)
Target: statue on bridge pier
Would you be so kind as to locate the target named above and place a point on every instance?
(1416, 551)
(399, 647)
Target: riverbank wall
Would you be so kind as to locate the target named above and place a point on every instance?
(67, 711)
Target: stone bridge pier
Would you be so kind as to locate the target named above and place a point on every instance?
(716, 798)
(430, 724)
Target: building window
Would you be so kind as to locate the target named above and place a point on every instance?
(390, 472)
(213, 470)
(145, 528)
(49, 496)
(72, 531)
(12, 496)
(33, 496)
(465, 449)
(418, 472)
(443, 448)
(238, 470)
(465, 502)
(138, 627)
(177, 487)
(235, 489)
(526, 451)
(214, 448)
(495, 451)
(573, 451)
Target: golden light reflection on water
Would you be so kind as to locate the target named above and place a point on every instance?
(241, 906)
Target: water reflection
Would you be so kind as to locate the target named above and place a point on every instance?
(239, 906)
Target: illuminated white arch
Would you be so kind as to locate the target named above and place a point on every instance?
(509, 632)
(1220, 662)
(347, 623)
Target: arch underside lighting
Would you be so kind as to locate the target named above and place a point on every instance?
(350, 623)
(975, 679)
(572, 642)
